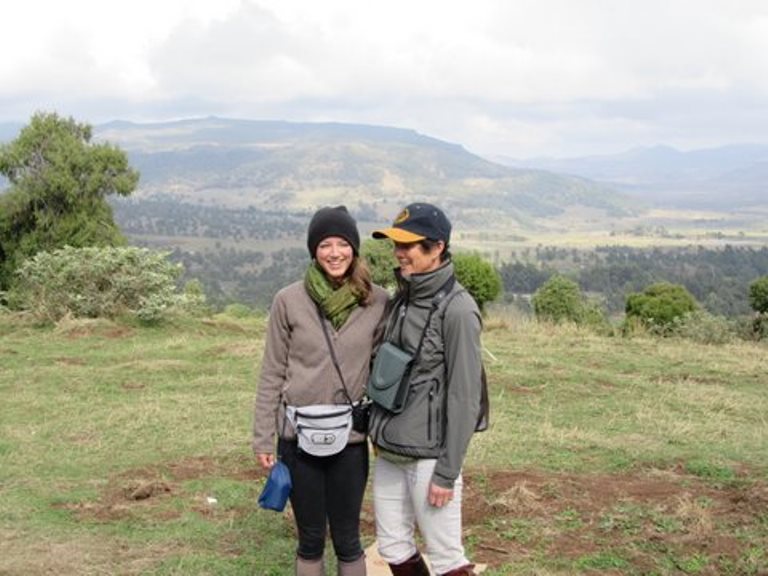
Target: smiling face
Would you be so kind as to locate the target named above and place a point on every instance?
(416, 259)
(334, 255)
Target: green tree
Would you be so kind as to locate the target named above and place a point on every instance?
(559, 299)
(478, 276)
(59, 181)
(379, 255)
(758, 299)
(758, 295)
(660, 305)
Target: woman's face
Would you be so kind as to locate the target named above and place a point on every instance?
(415, 259)
(334, 255)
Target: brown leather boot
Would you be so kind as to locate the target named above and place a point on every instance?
(466, 570)
(414, 566)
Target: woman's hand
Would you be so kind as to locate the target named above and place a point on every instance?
(438, 496)
(266, 460)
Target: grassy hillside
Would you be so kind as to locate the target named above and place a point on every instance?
(124, 450)
(291, 166)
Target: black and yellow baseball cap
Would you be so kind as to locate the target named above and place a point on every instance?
(416, 222)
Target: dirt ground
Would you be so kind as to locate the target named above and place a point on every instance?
(510, 516)
(579, 515)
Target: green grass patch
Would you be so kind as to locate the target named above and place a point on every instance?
(125, 450)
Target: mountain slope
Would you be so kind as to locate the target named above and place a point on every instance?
(298, 166)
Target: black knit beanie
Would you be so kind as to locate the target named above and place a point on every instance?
(332, 222)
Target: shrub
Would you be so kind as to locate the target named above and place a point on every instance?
(193, 300)
(558, 299)
(660, 305)
(381, 261)
(478, 276)
(704, 328)
(758, 295)
(98, 282)
(237, 310)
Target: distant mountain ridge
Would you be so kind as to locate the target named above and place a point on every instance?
(373, 169)
(293, 165)
(727, 177)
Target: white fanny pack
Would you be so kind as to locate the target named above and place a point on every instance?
(321, 429)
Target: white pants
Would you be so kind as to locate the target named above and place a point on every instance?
(400, 498)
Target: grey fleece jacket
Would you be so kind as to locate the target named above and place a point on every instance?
(443, 402)
(297, 367)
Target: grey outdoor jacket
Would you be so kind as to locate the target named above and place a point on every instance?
(297, 368)
(443, 402)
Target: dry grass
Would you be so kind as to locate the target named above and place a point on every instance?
(602, 451)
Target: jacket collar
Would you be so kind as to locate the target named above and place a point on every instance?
(424, 286)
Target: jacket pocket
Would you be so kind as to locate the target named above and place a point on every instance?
(417, 427)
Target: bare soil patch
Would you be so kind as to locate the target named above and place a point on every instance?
(571, 516)
(512, 515)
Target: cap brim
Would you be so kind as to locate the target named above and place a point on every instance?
(398, 235)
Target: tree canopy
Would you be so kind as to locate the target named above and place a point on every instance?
(381, 261)
(758, 295)
(660, 304)
(559, 299)
(59, 181)
(478, 276)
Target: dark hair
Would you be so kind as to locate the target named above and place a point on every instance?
(427, 244)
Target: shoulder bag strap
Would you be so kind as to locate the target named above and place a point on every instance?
(485, 405)
(436, 300)
(333, 356)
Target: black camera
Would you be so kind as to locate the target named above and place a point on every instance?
(361, 413)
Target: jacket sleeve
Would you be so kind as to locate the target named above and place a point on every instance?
(461, 336)
(274, 366)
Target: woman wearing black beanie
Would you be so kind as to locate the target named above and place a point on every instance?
(318, 348)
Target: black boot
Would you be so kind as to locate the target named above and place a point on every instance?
(466, 570)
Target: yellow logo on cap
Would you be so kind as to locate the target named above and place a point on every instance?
(403, 216)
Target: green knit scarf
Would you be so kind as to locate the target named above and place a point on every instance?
(336, 303)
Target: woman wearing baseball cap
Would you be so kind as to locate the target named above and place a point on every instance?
(421, 445)
(333, 311)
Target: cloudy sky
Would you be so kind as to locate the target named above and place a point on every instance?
(520, 78)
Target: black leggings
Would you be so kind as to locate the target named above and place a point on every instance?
(327, 490)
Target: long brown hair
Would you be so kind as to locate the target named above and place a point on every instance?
(359, 277)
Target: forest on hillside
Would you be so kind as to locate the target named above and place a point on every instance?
(227, 255)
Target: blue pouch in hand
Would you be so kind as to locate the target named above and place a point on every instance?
(274, 496)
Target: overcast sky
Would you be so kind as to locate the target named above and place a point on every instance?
(519, 78)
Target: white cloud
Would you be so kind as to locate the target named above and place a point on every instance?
(519, 78)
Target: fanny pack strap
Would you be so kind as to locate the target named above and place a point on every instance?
(333, 356)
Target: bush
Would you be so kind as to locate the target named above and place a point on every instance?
(478, 276)
(759, 326)
(758, 295)
(704, 328)
(379, 255)
(559, 299)
(237, 310)
(660, 305)
(99, 282)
